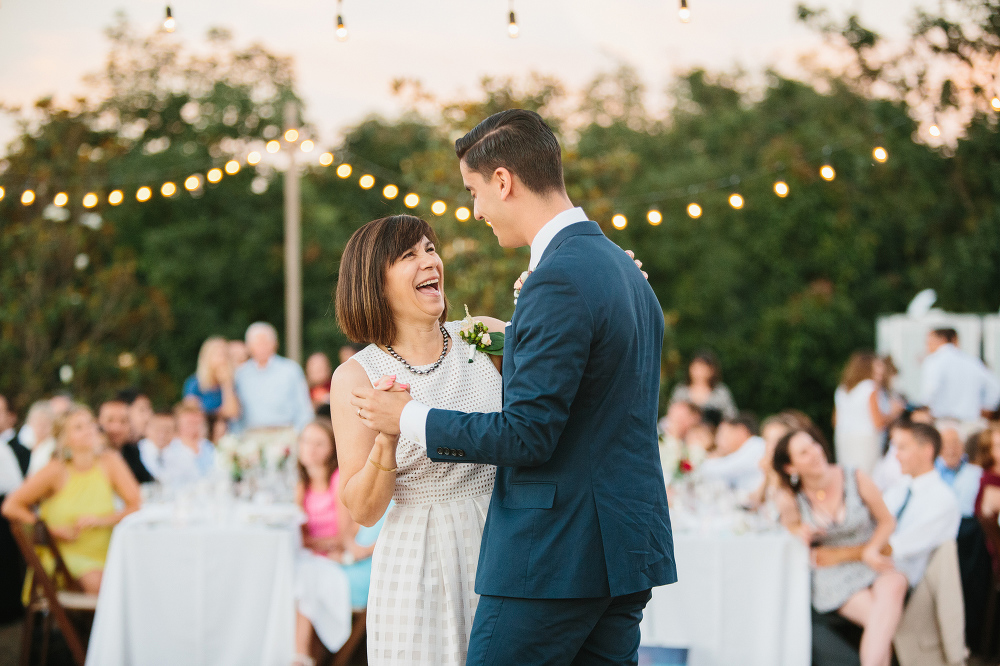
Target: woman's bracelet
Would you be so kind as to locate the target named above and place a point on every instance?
(384, 469)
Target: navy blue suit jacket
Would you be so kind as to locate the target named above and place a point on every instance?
(579, 508)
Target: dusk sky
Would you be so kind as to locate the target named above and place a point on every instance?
(46, 46)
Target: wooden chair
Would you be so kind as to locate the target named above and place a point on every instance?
(992, 531)
(45, 596)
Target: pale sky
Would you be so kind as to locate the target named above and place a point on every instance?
(46, 46)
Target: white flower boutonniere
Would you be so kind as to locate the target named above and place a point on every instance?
(518, 284)
(479, 338)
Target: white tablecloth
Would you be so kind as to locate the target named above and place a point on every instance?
(739, 600)
(216, 593)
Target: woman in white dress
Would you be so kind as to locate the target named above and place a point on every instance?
(859, 422)
(422, 599)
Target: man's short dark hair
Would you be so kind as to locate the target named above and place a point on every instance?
(519, 141)
(949, 335)
(746, 420)
(924, 434)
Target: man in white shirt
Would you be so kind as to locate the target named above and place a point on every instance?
(737, 455)
(159, 434)
(954, 384)
(926, 510)
(189, 457)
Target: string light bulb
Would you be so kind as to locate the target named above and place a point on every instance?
(462, 214)
(307, 146)
(934, 130)
(61, 199)
(143, 193)
(192, 183)
(254, 158)
(214, 175)
(232, 167)
(116, 197)
(344, 170)
(28, 197)
(89, 200)
(292, 135)
(880, 154)
(781, 189)
(736, 201)
(390, 191)
(411, 200)
(694, 211)
(169, 24)
(2, 192)
(995, 103)
(654, 217)
(439, 207)
(826, 172)
(341, 28)
(619, 221)
(367, 181)
(326, 159)
(272, 146)
(684, 13)
(512, 30)
(168, 189)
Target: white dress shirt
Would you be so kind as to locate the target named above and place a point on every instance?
(964, 482)
(178, 464)
(413, 420)
(929, 518)
(740, 470)
(957, 385)
(10, 471)
(41, 454)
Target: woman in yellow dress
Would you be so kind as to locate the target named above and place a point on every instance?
(75, 496)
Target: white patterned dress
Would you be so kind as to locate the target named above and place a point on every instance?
(422, 599)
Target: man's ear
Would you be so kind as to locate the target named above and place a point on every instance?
(505, 179)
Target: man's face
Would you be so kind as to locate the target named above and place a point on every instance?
(4, 415)
(114, 421)
(729, 438)
(262, 346)
(491, 204)
(160, 430)
(914, 457)
(934, 341)
(952, 449)
(680, 419)
(191, 425)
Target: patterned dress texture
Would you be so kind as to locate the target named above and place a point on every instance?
(422, 599)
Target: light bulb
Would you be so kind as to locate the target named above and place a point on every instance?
(326, 159)
(89, 200)
(654, 217)
(995, 103)
(273, 146)
(880, 154)
(694, 210)
(341, 29)
(143, 193)
(934, 130)
(736, 201)
(307, 146)
(192, 183)
(168, 189)
(214, 175)
(344, 170)
(232, 167)
(28, 197)
(292, 135)
(826, 172)
(367, 181)
(169, 24)
(61, 199)
(411, 200)
(781, 189)
(439, 207)
(390, 191)
(684, 13)
(116, 197)
(462, 214)
(512, 29)
(253, 158)
(2, 192)
(619, 221)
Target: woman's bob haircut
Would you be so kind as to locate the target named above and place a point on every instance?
(363, 311)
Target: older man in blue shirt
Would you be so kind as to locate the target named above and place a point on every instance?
(272, 389)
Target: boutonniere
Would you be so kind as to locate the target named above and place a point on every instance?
(479, 337)
(520, 283)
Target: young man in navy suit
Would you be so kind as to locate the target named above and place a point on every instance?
(578, 530)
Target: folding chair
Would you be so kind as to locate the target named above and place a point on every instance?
(992, 531)
(45, 596)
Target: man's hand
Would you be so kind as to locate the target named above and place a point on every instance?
(380, 408)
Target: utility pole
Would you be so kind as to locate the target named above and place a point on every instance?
(293, 246)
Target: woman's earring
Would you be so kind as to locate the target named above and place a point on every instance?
(794, 478)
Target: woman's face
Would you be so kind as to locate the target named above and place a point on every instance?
(81, 434)
(771, 433)
(701, 372)
(217, 354)
(878, 371)
(414, 283)
(806, 454)
(315, 447)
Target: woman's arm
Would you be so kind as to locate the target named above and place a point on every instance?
(37, 487)
(881, 420)
(494, 325)
(364, 488)
(885, 524)
(230, 407)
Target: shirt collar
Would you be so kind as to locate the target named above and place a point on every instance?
(941, 465)
(549, 231)
(925, 478)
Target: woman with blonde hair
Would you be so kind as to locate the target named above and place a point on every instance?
(212, 382)
(858, 420)
(75, 494)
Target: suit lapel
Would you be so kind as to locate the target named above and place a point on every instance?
(588, 228)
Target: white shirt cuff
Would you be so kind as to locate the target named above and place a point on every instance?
(413, 422)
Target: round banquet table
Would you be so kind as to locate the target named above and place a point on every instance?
(214, 592)
(739, 599)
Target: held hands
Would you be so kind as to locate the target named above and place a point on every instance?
(380, 407)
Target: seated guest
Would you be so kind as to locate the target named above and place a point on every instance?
(680, 418)
(159, 433)
(955, 469)
(988, 457)
(771, 431)
(738, 451)
(76, 497)
(839, 512)
(318, 376)
(926, 509)
(190, 456)
(887, 471)
(140, 409)
(113, 418)
(272, 389)
(42, 444)
(704, 386)
(330, 534)
(212, 382)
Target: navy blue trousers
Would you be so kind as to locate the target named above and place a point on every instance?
(557, 632)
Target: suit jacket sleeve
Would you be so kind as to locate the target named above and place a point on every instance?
(554, 330)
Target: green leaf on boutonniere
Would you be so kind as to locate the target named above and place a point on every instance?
(495, 347)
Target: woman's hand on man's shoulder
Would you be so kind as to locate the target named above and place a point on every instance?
(493, 324)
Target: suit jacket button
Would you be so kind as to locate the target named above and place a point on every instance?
(451, 452)
(440, 451)
(461, 452)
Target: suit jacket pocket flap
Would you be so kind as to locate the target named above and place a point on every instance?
(529, 496)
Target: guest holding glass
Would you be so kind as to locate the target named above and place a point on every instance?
(213, 380)
(705, 389)
(859, 422)
(840, 514)
(76, 494)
